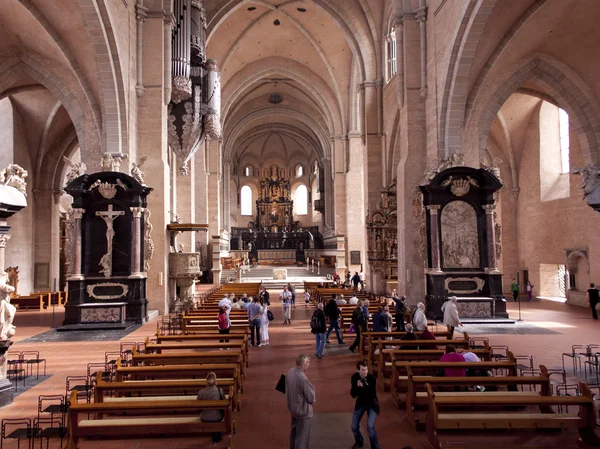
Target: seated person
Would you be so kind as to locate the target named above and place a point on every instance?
(236, 304)
(340, 301)
(353, 300)
(452, 356)
(410, 335)
(212, 393)
(427, 335)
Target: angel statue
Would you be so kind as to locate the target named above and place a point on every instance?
(75, 169)
(136, 171)
(14, 175)
(7, 310)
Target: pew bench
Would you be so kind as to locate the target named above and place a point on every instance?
(417, 400)
(584, 421)
(368, 337)
(133, 419)
(34, 301)
(158, 348)
(399, 379)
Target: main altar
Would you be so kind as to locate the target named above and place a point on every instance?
(274, 205)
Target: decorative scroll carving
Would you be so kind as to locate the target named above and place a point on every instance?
(107, 189)
(75, 169)
(459, 186)
(181, 89)
(454, 160)
(590, 178)
(460, 247)
(498, 236)
(14, 176)
(420, 225)
(148, 242)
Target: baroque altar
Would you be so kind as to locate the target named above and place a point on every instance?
(109, 249)
(274, 207)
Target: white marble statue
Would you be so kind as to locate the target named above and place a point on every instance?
(7, 310)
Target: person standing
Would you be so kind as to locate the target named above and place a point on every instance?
(264, 323)
(379, 321)
(254, 312)
(223, 322)
(514, 288)
(318, 326)
(529, 289)
(593, 298)
(300, 397)
(364, 389)
(264, 297)
(358, 320)
(226, 303)
(355, 280)
(333, 313)
(292, 291)
(420, 320)
(286, 299)
(451, 318)
(400, 310)
(362, 278)
(306, 298)
(389, 319)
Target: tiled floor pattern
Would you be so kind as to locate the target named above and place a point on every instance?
(264, 421)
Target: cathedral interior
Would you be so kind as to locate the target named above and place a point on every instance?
(161, 148)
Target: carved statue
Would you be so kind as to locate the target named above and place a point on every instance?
(136, 171)
(590, 178)
(75, 169)
(13, 279)
(148, 242)
(493, 167)
(14, 175)
(107, 163)
(7, 310)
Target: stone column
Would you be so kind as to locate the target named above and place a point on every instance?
(77, 215)
(227, 195)
(136, 244)
(141, 12)
(329, 194)
(434, 235)
(491, 238)
(421, 16)
(4, 238)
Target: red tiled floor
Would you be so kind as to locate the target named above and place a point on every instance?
(264, 421)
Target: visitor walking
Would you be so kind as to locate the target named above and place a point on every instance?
(300, 397)
(529, 289)
(318, 326)
(333, 313)
(264, 323)
(292, 290)
(286, 300)
(451, 318)
(358, 321)
(420, 320)
(364, 389)
(514, 288)
(254, 312)
(306, 298)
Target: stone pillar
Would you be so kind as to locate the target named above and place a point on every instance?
(227, 195)
(77, 215)
(216, 259)
(329, 194)
(4, 238)
(186, 205)
(141, 12)
(421, 16)
(136, 244)
(491, 238)
(434, 236)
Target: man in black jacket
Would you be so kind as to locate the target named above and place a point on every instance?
(333, 313)
(400, 310)
(364, 389)
(318, 327)
(359, 322)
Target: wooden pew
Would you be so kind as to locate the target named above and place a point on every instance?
(367, 337)
(416, 397)
(384, 365)
(176, 418)
(194, 328)
(399, 379)
(206, 336)
(34, 301)
(584, 421)
(179, 389)
(215, 344)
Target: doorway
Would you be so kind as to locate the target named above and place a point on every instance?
(553, 282)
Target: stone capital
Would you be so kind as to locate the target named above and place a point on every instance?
(141, 12)
(77, 213)
(137, 211)
(489, 208)
(4, 238)
(421, 14)
(433, 208)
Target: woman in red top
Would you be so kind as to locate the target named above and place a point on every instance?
(452, 356)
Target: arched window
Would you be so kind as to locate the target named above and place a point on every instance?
(247, 171)
(391, 55)
(301, 202)
(554, 153)
(246, 200)
(299, 171)
(563, 126)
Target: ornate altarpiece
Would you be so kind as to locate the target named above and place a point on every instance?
(382, 231)
(106, 231)
(274, 206)
(462, 249)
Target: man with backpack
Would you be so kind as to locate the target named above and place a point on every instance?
(333, 313)
(318, 326)
(359, 323)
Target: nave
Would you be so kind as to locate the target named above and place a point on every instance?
(263, 419)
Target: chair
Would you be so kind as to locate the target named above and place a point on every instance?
(31, 361)
(577, 354)
(567, 390)
(81, 385)
(16, 429)
(592, 355)
(17, 372)
(49, 427)
(94, 368)
(526, 362)
(478, 342)
(126, 350)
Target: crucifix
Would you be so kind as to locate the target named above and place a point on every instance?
(108, 217)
